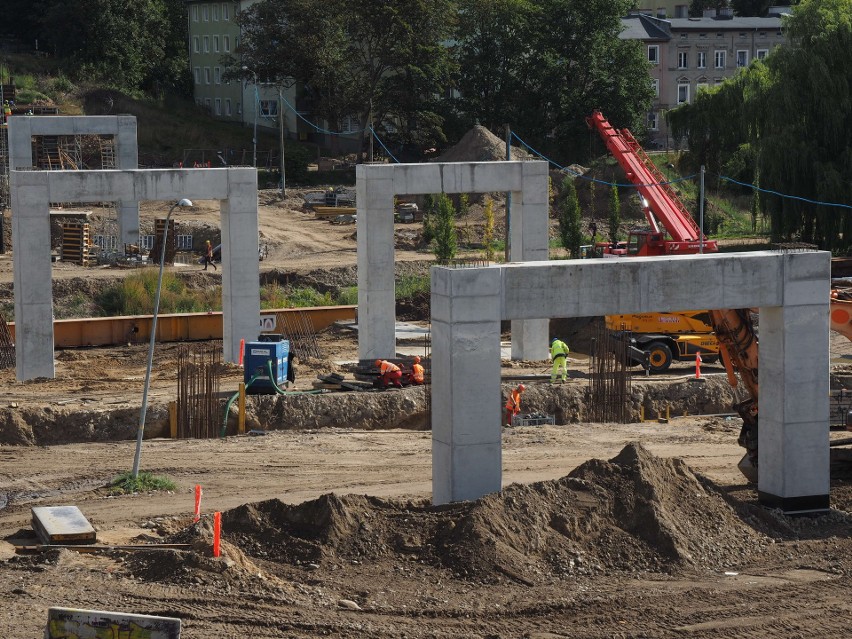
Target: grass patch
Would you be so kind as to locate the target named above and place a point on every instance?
(348, 296)
(412, 285)
(135, 294)
(275, 296)
(124, 484)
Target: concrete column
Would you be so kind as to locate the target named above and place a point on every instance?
(376, 298)
(794, 384)
(529, 243)
(240, 263)
(466, 401)
(127, 157)
(20, 142)
(33, 291)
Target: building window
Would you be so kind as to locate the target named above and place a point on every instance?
(217, 75)
(207, 103)
(239, 108)
(197, 73)
(762, 53)
(652, 121)
(268, 108)
(226, 43)
(199, 101)
(196, 44)
(682, 92)
(215, 13)
(205, 13)
(655, 82)
(654, 53)
(742, 58)
(216, 44)
(195, 13)
(702, 60)
(701, 86)
(682, 59)
(683, 36)
(218, 104)
(206, 75)
(183, 242)
(349, 124)
(719, 57)
(206, 44)
(762, 34)
(226, 12)
(147, 242)
(106, 242)
(681, 11)
(227, 101)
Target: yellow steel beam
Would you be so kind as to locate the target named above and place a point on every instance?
(177, 327)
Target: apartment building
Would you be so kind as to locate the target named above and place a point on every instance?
(213, 35)
(687, 55)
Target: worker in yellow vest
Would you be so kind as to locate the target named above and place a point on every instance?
(559, 355)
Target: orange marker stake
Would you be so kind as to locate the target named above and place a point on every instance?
(242, 350)
(198, 493)
(698, 366)
(217, 533)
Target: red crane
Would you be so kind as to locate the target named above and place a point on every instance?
(660, 202)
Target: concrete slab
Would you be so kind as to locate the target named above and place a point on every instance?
(62, 525)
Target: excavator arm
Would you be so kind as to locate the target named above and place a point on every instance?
(738, 349)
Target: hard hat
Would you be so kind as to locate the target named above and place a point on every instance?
(521, 387)
(208, 241)
(555, 339)
(417, 359)
(378, 362)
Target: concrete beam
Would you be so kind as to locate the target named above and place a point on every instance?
(790, 289)
(33, 190)
(121, 127)
(376, 187)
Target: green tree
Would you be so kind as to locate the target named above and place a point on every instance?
(381, 62)
(117, 43)
(792, 113)
(570, 232)
(548, 65)
(446, 242)
(614, 218)
(488, 231)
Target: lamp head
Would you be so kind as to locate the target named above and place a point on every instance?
(184, 202)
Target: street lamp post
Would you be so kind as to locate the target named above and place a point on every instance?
(141, 431)
(254, 138)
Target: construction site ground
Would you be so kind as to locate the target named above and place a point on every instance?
(327, 527)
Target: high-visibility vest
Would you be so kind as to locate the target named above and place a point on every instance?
(388, 367)
(418, 372)
(514, 402)
(558, 349)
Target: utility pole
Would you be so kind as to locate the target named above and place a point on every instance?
(701, 213)
(370, 128)
(281, 135)
(508, 193)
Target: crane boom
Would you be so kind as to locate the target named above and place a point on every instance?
(663, 203)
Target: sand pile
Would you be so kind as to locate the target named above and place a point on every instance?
(633, 513)
(480, 145)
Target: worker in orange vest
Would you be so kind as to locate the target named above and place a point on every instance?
(417, 372)
(390, 373)
(513, 403)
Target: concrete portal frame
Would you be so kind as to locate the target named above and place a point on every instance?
(121, 127)
(791, 290)
(32, 191)
(376, 186)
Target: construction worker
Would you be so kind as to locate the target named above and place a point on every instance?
(208, 255)
(513, 403)
(417, 372)
(559, 355)
(390, 373)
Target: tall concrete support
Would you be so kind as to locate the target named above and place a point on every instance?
(32, 191)
(790, 289)
(121, 127)
(794, 382)
(466, 428)
(376, 187)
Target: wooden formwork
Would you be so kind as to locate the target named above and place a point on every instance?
(76, 243)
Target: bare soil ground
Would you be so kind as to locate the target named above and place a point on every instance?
(327, 525)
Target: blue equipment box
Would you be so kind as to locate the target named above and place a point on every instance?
(256, 356)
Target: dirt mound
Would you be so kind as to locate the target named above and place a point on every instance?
(633, 513)
(480, 145)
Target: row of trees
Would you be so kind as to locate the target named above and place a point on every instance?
(420, 71)
(785, 125)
